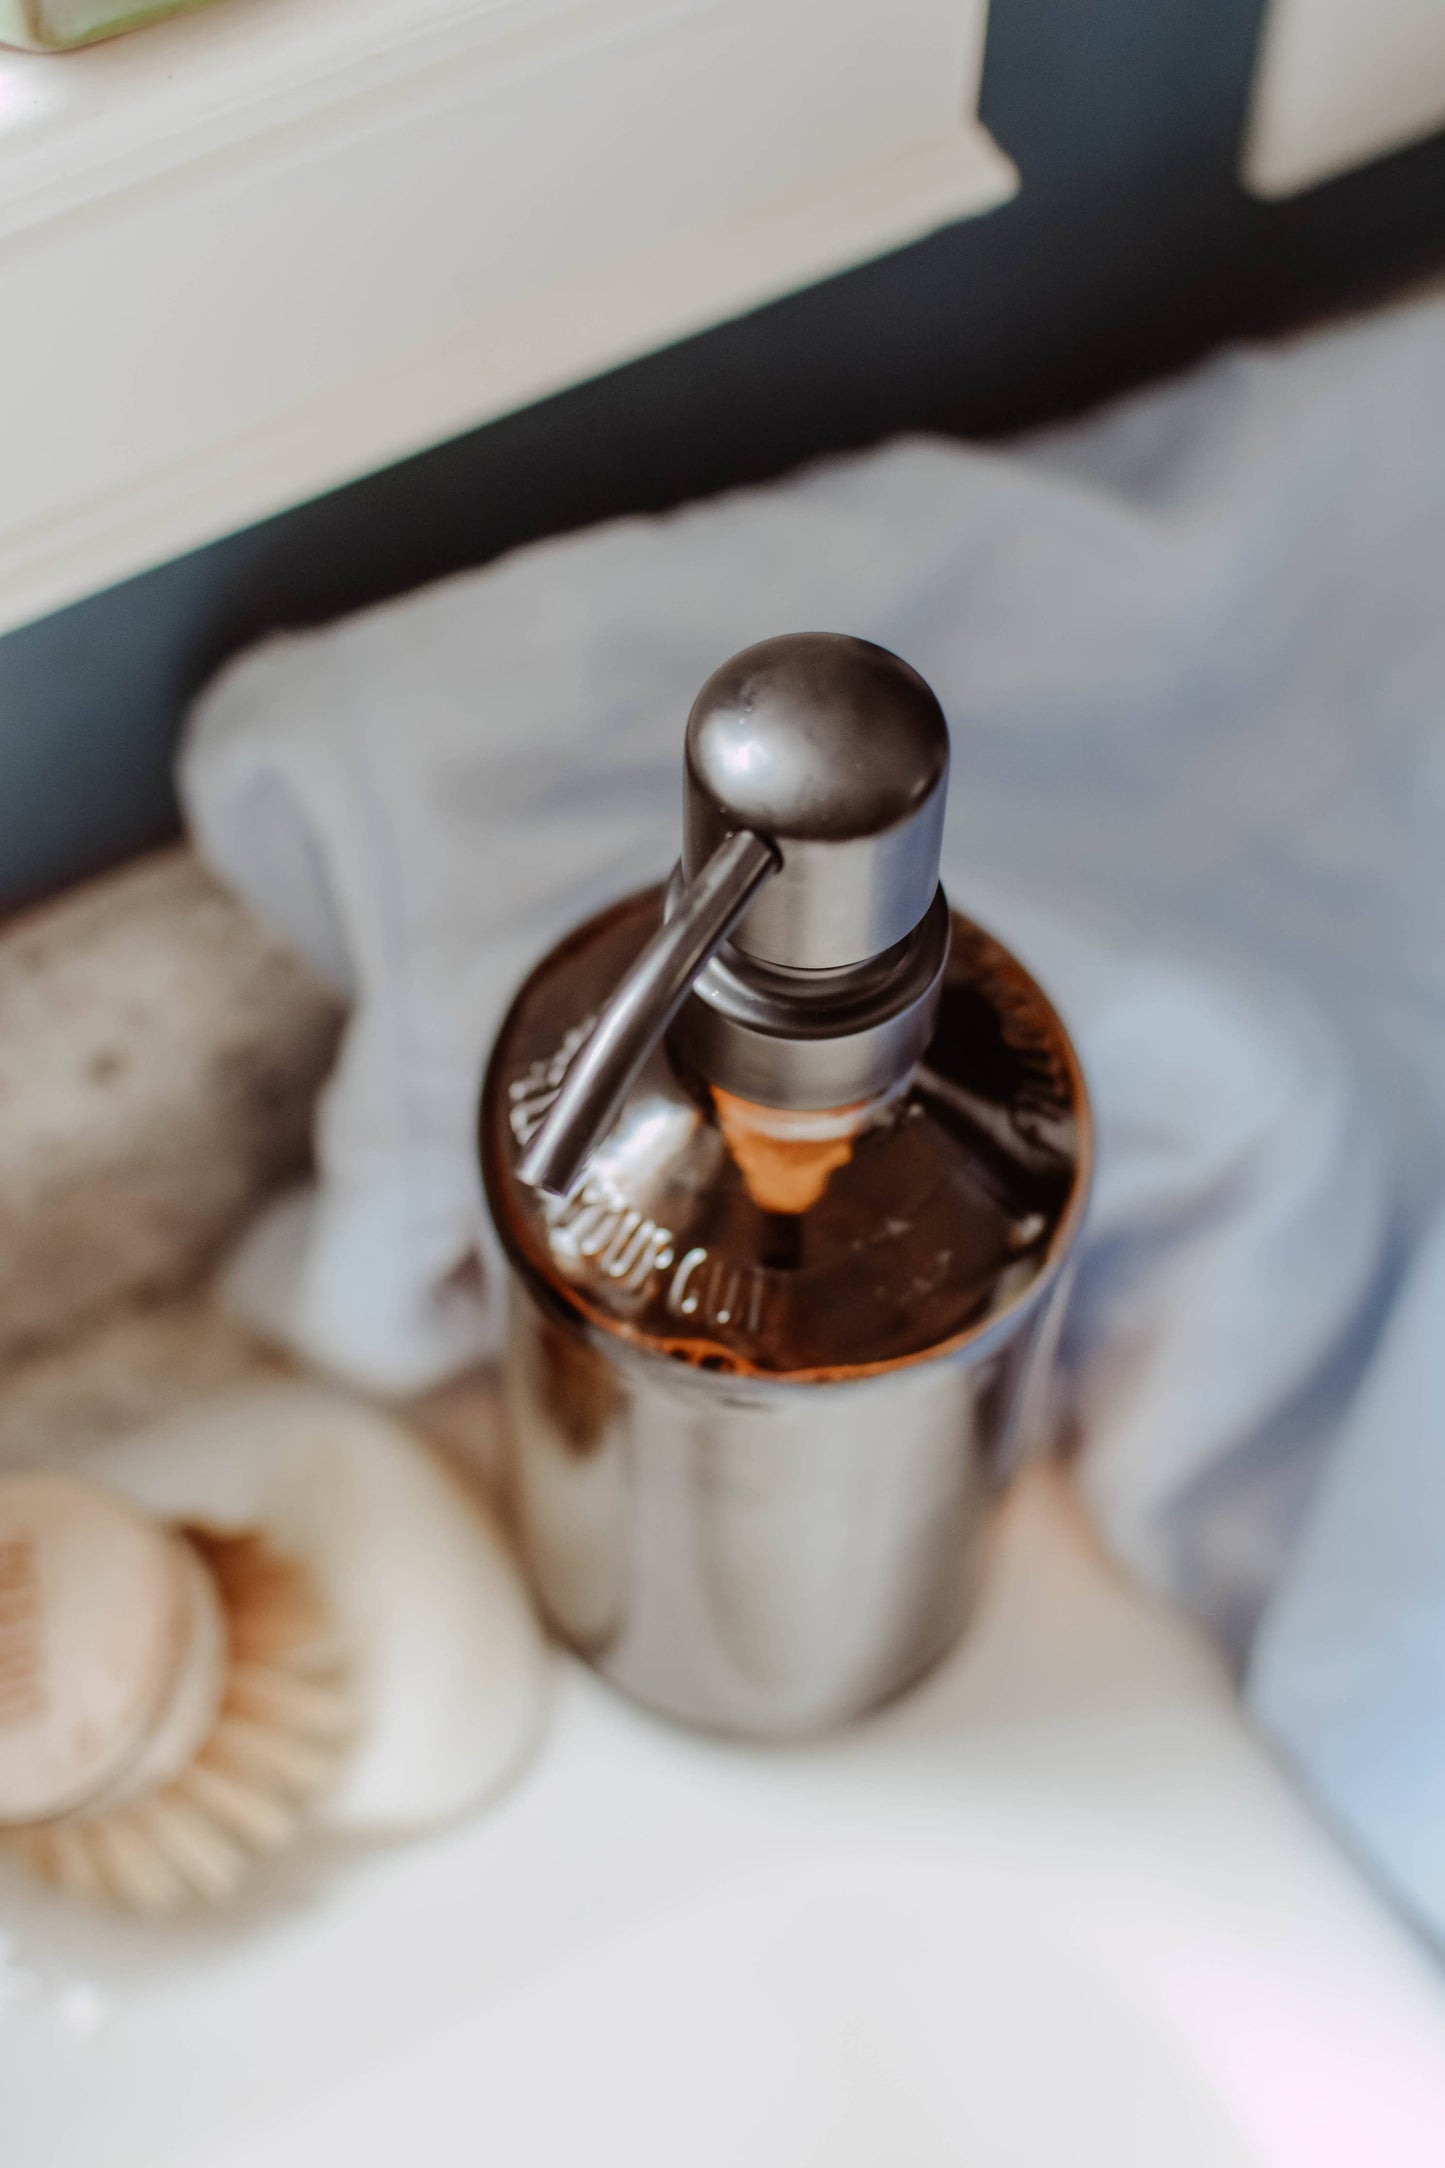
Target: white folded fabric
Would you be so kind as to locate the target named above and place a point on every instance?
(1193, 655)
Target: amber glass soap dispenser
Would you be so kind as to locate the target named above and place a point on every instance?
(788, 1161)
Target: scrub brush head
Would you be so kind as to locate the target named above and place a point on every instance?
(173, 1699)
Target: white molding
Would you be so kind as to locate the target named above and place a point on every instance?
(254, 253)
(1338, 83)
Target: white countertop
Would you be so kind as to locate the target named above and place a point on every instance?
(1056, 1905)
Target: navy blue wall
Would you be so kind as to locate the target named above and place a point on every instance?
(1130, 250)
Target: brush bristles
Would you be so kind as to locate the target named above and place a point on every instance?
(280, 1735)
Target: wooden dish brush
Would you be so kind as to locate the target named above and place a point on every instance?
(174, 1700)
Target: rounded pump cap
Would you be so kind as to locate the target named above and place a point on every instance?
(806, 933)
(837, 753)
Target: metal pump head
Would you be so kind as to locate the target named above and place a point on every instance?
(837, 752)
(806, 932)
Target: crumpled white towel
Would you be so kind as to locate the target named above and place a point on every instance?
(1193, 655)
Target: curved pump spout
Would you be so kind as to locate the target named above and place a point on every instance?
(641, 1007)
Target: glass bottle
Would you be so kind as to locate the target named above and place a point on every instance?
(787, 1160)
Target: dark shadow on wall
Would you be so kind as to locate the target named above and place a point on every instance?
(1130, 250)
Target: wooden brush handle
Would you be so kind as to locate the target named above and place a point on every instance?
(112, 1649)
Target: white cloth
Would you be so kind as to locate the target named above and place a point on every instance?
(1193, 654)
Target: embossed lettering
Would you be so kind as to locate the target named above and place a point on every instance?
(534, 1092)
(596, 1223)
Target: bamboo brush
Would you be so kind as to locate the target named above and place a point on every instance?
(173, 1699)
